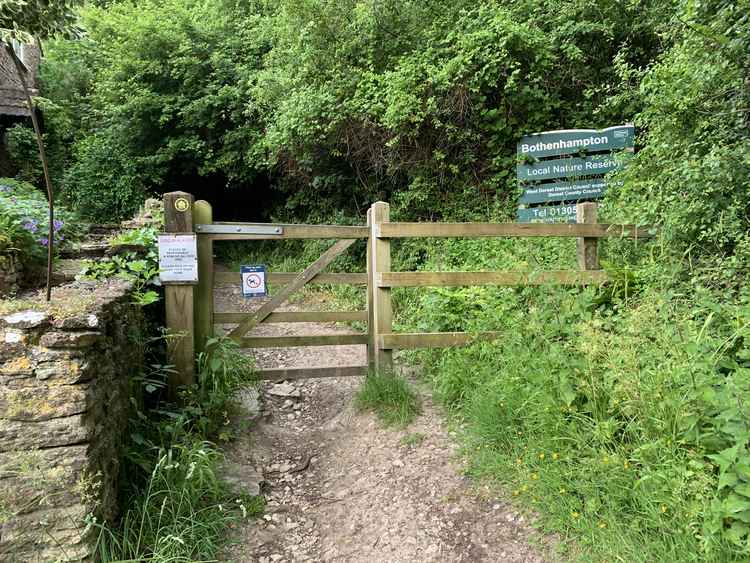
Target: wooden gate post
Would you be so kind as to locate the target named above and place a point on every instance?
(178, 218)
(587, 248)
(371, 340)
(204, 292)
(381, 296)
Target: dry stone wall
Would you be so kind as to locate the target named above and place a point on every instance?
(64, 385)
(10, 274)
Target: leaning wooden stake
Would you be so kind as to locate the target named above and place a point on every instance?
(178, 218)
(203, 295)
(381, 296)
(45, 165)
(587, 248)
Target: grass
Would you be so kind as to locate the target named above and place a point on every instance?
(176, 507)
(390, 397)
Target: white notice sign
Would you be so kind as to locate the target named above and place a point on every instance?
(178, 258)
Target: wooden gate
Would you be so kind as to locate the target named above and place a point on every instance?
(191, 319)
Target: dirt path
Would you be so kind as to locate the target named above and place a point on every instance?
(341, 488)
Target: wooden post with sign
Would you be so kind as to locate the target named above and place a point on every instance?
(204, 296)
(371, 340)
(587, 248)
(178, 296)
(380, 258)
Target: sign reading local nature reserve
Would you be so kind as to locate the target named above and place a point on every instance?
(253, 280)
(178, 258)
(568, 166)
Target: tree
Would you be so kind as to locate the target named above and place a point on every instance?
(30, 21)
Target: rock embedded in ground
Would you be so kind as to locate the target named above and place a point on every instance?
(241, 479)
(249, 401)
(284, 390)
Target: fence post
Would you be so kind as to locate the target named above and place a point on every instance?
(587, 248)
(371, 341)
(381, 296)
(178, 218)
(204, 291)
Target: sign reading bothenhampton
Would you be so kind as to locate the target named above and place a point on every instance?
(567, 166)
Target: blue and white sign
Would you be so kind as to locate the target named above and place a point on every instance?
(253, 280)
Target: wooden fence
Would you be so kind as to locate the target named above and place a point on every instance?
(190, 315)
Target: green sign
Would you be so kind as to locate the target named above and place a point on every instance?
(566, 191)
(574, 141)
(570, 167)
(548, 214)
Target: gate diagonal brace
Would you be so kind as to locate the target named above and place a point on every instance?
(309, 273)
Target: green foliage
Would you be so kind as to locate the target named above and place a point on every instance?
(23, 152)
(162, 100)
(692, 175)
(609, 421)
(176, 507)
(391, 397)
(28, 19)
(222, 371)
(24, 222)
(142, 268)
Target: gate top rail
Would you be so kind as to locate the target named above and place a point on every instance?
(279, 231)
(588, 230)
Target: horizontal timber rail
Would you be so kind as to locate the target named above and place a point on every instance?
(283, 278)
(291, 341)
(442, 230)
(454, 279)
(190, 307)
(280, 231)
(310, 373)
(410, 340)
(296, 317)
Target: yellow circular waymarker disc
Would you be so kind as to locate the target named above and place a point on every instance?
(181, 204)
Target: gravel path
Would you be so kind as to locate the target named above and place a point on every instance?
(341, 488)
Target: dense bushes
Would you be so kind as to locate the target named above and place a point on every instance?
(337, 103)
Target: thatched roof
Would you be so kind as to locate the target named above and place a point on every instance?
(12, 100)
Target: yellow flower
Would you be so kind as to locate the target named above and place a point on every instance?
(519, 461)
(541, 456)
(626, 464)
(602, 524)
(605, 459)
(534, 476)
(663, 508)
(516, 493)
(524, 488)
(574, 514)
(563, 491)
(555, 455)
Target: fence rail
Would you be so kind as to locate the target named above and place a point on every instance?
(190, 308)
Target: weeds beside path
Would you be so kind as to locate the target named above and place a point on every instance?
(340, 486)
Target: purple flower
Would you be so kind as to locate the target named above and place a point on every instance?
(31, 225)
(57, 224)
(44, 241)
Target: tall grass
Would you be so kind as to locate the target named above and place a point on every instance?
(390, 397)
(176, 508)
